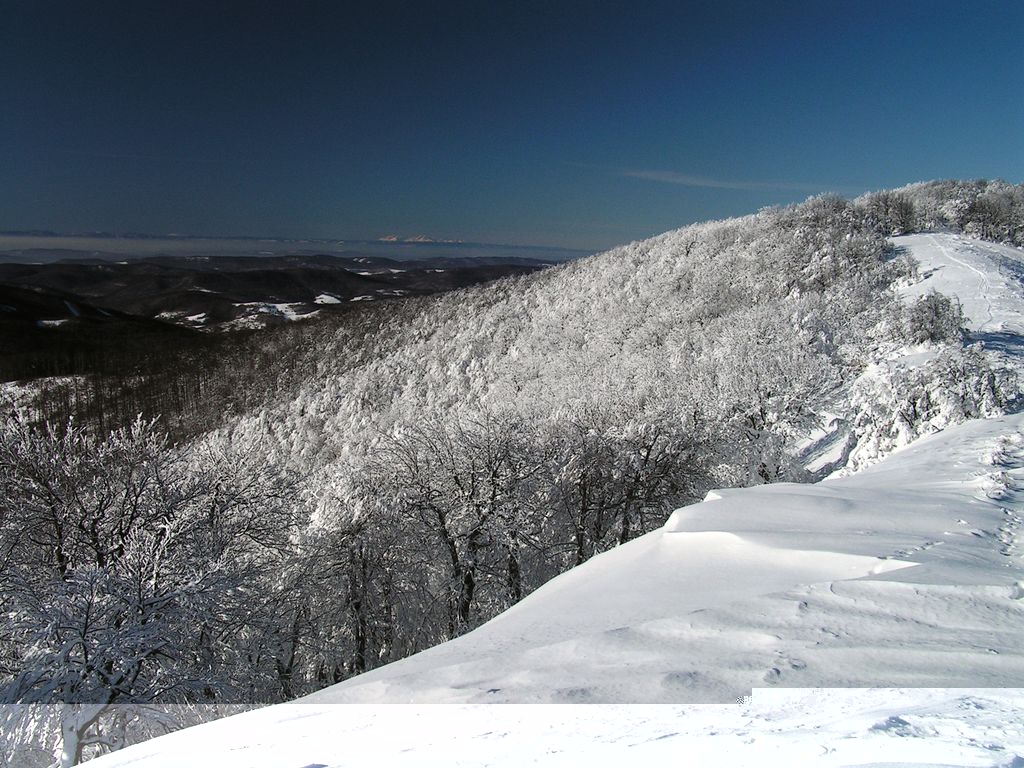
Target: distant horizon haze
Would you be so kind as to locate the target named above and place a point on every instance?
(52, 246)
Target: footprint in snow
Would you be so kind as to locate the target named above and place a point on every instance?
(783, 663)
(680, 679)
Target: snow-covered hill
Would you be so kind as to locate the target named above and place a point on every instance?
(986, 277)
(914, 564)
(907, 573)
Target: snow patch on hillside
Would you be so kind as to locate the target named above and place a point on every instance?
(988, 281)
(985, 277)
(908, 392)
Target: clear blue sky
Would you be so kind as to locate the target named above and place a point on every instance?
(576, 124)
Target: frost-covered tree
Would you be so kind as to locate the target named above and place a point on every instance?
(934, 317)
(992, 210)
(462, 484)
(127, 572)
(889, 212)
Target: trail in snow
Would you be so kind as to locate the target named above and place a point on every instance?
(984, 287)
(985, 277)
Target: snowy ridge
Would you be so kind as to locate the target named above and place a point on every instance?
(783, 584)
(908, 573)
(985, 277)
(919, 386)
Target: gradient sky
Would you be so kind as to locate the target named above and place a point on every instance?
(573, 124)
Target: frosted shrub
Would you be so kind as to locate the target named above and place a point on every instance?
(895, 404)
(934, 317)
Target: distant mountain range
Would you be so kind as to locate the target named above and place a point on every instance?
(229, 292)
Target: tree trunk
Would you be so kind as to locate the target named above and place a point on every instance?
(75, 722)
(71, 754)
(515, 576)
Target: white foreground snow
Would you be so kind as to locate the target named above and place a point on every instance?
(909, 574)
(828, 728)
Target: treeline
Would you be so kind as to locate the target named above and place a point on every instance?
(990, 210)
(397, 481)
(138, 572)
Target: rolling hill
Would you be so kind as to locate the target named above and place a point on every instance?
(231, 292)
(907, 573)
(777, 451)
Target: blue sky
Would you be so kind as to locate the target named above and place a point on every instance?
(571, 124)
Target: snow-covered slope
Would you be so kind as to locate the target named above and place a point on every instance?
(986, 277)
(908, 573)
(776, 728)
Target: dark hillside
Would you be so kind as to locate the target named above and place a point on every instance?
(236, 292)
(46, 333)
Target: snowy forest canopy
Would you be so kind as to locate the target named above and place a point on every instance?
(378, 486)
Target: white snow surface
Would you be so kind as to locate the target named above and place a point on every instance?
(908, 574)
(988, 280)
(986, 277)
(874, 728)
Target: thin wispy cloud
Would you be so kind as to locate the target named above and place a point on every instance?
(704, 182)
(136, 156)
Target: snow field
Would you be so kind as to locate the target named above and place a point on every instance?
(985, 277)
(820, 727)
